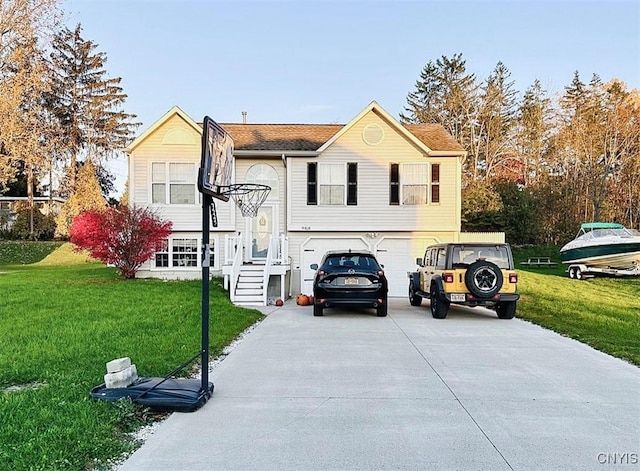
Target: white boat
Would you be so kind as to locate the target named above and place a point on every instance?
(603, 245)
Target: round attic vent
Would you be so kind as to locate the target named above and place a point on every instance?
(373, 134)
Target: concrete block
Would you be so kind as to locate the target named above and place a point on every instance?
(121, 379)
(119, 364)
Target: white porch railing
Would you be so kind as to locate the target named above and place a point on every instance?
(278, 246)
(235, 269)
(267, 270)
(277, 254)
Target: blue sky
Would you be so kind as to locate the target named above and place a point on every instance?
(323, 61)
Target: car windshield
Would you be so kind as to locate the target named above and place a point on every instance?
(351, 261)
(467, 254)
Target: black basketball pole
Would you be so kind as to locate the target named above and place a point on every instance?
(206, 208)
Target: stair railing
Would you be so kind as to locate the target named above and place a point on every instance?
(235, 267)
(267, 269)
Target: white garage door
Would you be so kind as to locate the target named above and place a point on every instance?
(398, 255)
(315, 248)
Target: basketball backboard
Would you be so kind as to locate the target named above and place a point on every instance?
(216, 164)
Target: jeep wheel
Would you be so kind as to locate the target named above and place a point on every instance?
(414, 299)
(483, 279)
(506, 310)
(439, 307)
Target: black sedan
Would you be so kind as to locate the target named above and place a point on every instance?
(349, 278)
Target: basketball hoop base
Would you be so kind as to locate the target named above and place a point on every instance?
(169, 395)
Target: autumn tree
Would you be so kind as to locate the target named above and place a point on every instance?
(24, 26)
(481, 206)
(123, 236)
(86, 102)
(86, 197)
(599, 137)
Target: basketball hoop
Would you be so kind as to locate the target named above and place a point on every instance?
(247, 196)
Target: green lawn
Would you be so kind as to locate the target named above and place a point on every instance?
(59, 325)
(601, 312)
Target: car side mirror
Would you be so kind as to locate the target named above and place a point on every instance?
(419, 262)
(314, 266)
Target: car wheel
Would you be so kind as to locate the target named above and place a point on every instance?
(483, 279)
(572, 272)
(439, 307)
(381, 310)
(317, 309)
(414, 299)
(506, 310)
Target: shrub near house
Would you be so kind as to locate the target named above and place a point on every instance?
(124, 236)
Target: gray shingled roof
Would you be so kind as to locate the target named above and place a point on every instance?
(310, 137)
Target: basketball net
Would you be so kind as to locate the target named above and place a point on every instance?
(247, 196)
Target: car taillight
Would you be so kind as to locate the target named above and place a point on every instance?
(513, 277)
(448, 277)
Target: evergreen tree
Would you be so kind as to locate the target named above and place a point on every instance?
(496, 121)
(533, 135)
(86, 102)
(446, 94)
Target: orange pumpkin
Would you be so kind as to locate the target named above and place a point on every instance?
(302, 299)
(279, 302)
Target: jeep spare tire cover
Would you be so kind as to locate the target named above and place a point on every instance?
(483, 279)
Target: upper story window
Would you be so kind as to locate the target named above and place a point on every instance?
(265, 174)
(414, 183)
(332, 183)
(173, 183)
(410, 183)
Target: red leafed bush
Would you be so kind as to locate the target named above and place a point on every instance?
(123, 236)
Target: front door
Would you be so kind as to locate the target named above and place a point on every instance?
(259, 231)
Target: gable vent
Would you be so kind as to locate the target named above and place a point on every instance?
(373, 134)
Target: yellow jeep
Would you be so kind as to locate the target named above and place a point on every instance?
(471, 274)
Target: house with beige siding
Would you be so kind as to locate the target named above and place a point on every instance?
(372, 183)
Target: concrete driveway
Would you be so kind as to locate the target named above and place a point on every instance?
(351, 391)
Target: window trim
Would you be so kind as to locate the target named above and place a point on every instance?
(432, 184)
(402, 171)
(213, 241)
(167, 183)
(349, 187)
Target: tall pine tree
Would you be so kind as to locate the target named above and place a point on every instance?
(86, 102)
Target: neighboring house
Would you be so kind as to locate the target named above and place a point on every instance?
(9, 206)
(372, 183)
